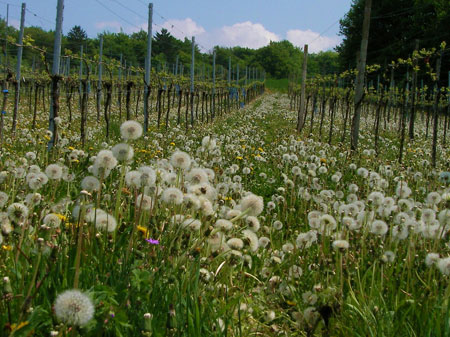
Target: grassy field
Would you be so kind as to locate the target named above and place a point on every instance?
(277, 85)
(241, 227)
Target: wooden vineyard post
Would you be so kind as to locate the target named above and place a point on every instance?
(80, 75)
(213, 108)
(4, 101)
(447, 115)
(148, 66)
(55, 74)
(359, 89)
(192, 83)
(413, 92)
(119, 88)
(19, 63)
(99, 83)
(301, 111)
(436, 110)
(6, 40)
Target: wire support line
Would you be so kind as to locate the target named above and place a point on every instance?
(129, 9)
(326, 30)
(114, 13)
(8, 3)
(40, 17)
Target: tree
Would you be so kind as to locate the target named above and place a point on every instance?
(75, 38)
(395, 26)
(279, 59)
(167, 45)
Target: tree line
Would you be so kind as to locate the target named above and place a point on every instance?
(277, 59)
(397, 28)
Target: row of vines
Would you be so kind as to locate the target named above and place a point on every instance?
(395, 96)
(168, 96)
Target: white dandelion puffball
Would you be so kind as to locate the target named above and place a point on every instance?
(148, 176)
(74, 307)
(378, 227)
(54, 171)
(130, 130)
(105, 159)
(340, 244)
(105, 221)
(224, 225)
(180, 159)
(144, 202)
(52, 220)
(252, 204)
(90, 184)
(3, 199)
(17, 212)
(208, 143)
(122, 152)
(444, 265)
(172, 195)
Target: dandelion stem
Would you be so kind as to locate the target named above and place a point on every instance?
(119, 193)
(30, 288)
(79, 245)
(19, 246)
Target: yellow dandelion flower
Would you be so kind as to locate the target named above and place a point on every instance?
(15, 326)
(239, 158)
(143, 230)
(72, 224)
(62, 217)
(7, 247)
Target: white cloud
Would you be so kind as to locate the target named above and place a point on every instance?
(315, 42)
(183, 28)
(244, 34)
(106, 25)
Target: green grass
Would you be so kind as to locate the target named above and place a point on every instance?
(275, 84)
(187, 287)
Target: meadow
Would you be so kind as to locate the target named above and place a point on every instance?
(239, 227)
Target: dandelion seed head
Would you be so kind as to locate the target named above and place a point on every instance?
(181, 160)
(52, 220)
(123, 152)
(54, 171)
(252, 204)
(105, 221)
(17, 212)
(90, 184)
(74, 308)
(378, 227)
(131, 130)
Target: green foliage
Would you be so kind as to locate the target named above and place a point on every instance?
(278, 59)
(76, 37)
(394, 28)
(280, 85)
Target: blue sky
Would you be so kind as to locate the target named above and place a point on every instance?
(249, 23)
